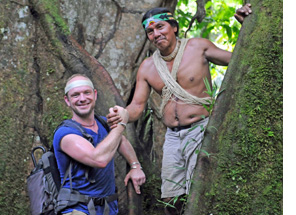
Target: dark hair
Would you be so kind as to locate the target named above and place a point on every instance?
(159, 10)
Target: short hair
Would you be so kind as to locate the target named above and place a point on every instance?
(76, 75)
(159, 10)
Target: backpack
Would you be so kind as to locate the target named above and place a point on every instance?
(44, 183)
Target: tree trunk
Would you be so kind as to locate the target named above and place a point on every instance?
(239, 167)
(42, 44)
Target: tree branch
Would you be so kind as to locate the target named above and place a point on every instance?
(73, 56)
(199, 15)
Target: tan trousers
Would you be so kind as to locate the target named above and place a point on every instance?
(179, 158)
(75, 212)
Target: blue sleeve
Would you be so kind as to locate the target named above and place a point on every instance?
(62, 132)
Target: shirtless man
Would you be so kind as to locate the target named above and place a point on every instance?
(185, 120)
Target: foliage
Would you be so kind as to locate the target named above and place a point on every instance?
(219, 26)
(213, 93)
(54, 15)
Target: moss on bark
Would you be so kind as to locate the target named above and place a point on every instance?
(244, 172)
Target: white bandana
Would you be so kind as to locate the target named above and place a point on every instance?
(78, 83)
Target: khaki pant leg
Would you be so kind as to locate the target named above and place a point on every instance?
(75, 212)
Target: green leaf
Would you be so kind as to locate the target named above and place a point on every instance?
(176, 183)
(167, 204)
(207, 154)
(212, 127)
(208, 5)
(228, 30)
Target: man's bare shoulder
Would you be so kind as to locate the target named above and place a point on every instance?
(147, 62)
(200, 42)
(146, 65)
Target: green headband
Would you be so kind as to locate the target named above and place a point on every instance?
(157, 18)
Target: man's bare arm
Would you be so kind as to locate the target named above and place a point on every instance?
(142, 92)
(138, 103)
(136, 175)
(216, 55)
(83, 151)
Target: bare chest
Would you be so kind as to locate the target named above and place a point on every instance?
(190, 74)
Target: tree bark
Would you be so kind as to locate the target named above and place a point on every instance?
(243, 172)
(42, 44)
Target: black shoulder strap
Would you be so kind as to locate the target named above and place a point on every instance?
(77, 126)
(103, 122)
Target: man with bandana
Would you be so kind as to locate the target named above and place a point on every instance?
(92, 193)
(176, 71)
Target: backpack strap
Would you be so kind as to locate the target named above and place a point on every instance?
(77, 126)
(68, 197)
(103, 122)
(50, 166)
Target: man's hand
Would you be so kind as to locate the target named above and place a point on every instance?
(243, 12)
(117, 114)
(138, 178)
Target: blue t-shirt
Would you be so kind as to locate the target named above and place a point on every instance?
(104, 184)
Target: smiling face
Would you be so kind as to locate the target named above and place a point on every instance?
(81, 99)
(162, 35)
